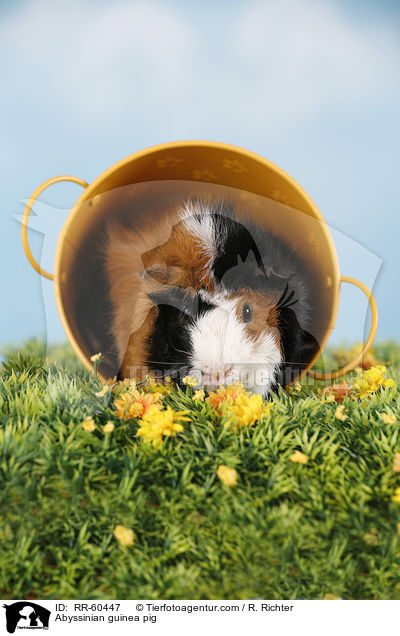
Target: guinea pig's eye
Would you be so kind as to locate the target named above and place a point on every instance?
(247, 312)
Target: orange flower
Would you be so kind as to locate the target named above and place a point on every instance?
(136, 404)
(127, 408)
(227, 394)
(336, 392)
(147, 400)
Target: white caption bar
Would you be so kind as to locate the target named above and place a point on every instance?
(193, 617)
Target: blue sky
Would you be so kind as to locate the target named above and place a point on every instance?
(313, 86)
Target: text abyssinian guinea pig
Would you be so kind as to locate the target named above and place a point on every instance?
(207, 295)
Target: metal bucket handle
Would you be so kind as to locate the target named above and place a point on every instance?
(371, 336)
(28, 210)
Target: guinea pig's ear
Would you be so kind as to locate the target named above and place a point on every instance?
(157, 270)
(164, 274)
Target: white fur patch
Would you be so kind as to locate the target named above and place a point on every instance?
(223, 353)
(197, 218)
(215, 298)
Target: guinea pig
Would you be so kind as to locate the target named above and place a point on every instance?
(208, 295)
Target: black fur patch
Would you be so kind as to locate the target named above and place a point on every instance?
(170, 345)
(235, 242)
(251, 259)
(299, 346)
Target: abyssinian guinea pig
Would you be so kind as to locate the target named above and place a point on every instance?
(211, 296)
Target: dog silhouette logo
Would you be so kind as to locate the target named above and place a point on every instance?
(26, 615)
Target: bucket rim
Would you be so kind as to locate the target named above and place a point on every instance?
(212, 145)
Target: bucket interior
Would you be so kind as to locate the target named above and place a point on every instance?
(126, 198)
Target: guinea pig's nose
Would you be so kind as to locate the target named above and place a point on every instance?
(216, 375)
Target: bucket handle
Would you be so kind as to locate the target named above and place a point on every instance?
(371, 336)
(27, 211)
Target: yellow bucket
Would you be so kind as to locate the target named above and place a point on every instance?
(271, 198)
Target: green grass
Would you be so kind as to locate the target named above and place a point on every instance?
(285, 531)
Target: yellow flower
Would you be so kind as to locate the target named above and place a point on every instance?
(396, 496)
(241, 407)
(297, 387)
(298, 457)
(102, 392)
(88, 425)
(156, 424)
(371, 538)
(339, 413)
(396, 463)
(245, 410)
(190, 381)
(371, 381)
(199, 395)
(227, 475)
(96, 357)
(387, 419)
(331, 597)
(109, 427)
(124, 535)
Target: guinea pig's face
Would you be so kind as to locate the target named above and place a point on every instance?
(220, 337)
(236, 339)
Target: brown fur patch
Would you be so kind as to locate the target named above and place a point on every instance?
(181, 261)
(139, 263)
(134, 363)
(124, 268)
